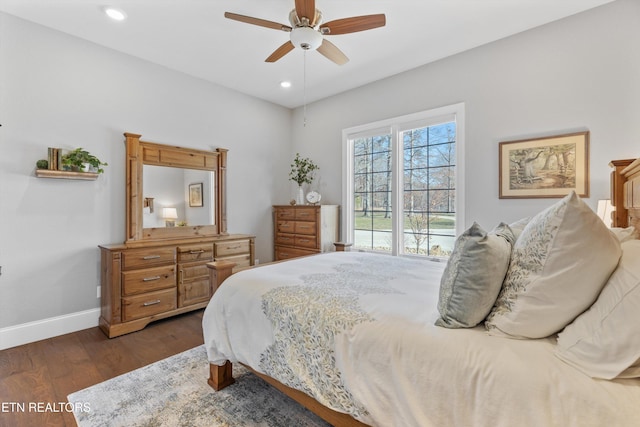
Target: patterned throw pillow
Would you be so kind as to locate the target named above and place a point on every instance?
(473, 277)
(559, 264)
(604, 341)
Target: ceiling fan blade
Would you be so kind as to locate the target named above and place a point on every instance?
(353, 24)
(257, 21)
(280, 52)
(330, 51)
(306, 9)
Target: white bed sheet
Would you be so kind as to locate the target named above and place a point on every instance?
(395, 367)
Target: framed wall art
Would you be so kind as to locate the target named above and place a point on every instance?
(551, 166)
(195, 195)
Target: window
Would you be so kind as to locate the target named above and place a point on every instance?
(402, 191)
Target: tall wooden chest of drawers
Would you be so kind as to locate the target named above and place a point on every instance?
(147, 281)
(304, 230)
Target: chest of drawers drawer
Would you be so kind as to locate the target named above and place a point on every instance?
(288, 253)
(148, 279)
(298, 227)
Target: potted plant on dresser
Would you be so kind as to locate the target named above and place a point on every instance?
(302, 170)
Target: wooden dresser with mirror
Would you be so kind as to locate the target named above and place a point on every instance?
(176, 223)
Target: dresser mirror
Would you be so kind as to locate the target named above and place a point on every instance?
(189, 191)
(174, 192)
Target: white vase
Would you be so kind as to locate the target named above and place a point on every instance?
(300, 197)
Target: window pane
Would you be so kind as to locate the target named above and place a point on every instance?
(372, 193)
(428, 190)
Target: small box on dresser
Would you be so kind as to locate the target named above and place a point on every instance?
(304, 229)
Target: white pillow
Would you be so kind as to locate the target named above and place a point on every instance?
(559, 264)
(473, 277)
(624, 234)
(604, 341)
(518, 226)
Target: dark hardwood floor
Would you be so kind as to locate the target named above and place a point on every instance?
(45, 372)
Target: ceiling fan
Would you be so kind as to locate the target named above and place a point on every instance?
(308, 31)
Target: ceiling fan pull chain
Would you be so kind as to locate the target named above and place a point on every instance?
(304, 87)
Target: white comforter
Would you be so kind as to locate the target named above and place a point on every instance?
(356, 331)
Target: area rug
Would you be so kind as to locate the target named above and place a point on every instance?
(174, 392)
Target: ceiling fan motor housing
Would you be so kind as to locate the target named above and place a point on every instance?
(306, 38)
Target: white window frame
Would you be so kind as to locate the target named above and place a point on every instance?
(394, 127)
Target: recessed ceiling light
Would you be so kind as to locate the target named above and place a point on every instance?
(285, 84)
(115, 14)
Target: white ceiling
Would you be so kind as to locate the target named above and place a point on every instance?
(193, 36)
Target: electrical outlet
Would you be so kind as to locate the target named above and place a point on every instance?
(257, 261)
(98, 292)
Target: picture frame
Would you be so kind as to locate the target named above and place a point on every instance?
(195, 195)
(545, 167)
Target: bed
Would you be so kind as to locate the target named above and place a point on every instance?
(368, 339)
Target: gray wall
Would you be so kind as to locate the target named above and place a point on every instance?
(60, 91)
(580, 73)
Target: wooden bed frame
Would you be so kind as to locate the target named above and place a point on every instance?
(222, 376)
(625, 197)
(625, 192)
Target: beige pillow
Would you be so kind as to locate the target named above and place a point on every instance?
(559, 264)
(604, 341)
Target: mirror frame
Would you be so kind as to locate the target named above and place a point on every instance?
(140, 153)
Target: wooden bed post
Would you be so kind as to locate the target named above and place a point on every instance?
(218, 273)
(220, 376)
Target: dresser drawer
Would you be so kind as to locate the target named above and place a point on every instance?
(302, 227)
(138, 306)
(148, 257)
(306, 214)
(232, 247)
(306, 241)
(288, 253)
(148, 279)
(203, 252)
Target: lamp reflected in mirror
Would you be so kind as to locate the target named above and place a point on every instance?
(170, 215)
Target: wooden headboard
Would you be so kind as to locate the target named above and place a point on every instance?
(625, 192)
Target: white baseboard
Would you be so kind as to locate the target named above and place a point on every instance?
(25, 333)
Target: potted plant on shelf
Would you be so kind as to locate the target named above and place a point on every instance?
(302, 173)
(81, 160)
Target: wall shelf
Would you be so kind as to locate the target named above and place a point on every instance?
(57, 174)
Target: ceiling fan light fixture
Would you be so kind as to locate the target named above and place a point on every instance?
(306, 38)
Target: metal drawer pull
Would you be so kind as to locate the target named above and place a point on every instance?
(233, 247)
(197, 252)
(149, 279)
(304, 213)
(151, 257)
(305, 240)
(147, 304)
